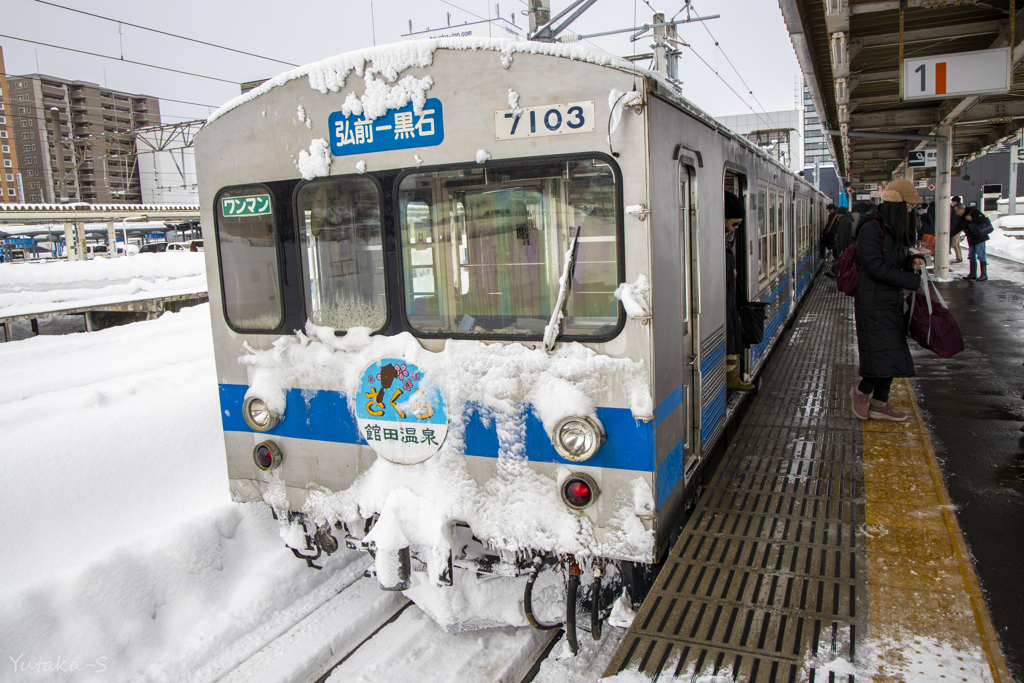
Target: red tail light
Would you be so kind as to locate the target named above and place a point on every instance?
(579, 491)
(267, 455)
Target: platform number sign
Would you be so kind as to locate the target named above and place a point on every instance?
(957, 74)
(546, 119)
(253, 205)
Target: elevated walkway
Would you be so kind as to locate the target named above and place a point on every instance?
(824, 548)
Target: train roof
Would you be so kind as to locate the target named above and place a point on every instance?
(389, 61)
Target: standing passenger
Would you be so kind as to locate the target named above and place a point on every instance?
(973, 223)
(733, 329)
(955, 229)
(828, 232)
(884, 238)
(844, 231)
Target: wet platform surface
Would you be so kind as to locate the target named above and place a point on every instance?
(825, 548)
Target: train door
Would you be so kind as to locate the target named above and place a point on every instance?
(793, 242)
(690, 298)
(743, 248)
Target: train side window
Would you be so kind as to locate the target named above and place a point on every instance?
(247, 247)
(762, 234)
(343, 255)
(483, 249)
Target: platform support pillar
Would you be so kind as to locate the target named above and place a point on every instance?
(35, 326)
(88, 321)
(943, 191)
(7, 331)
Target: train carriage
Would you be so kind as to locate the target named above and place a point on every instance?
(468, 306)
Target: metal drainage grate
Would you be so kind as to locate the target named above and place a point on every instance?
(767, 581)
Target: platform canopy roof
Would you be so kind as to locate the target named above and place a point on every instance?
(849, 53)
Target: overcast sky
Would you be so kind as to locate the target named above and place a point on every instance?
(750, 32)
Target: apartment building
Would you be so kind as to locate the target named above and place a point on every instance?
(10, 173)
(100, 164)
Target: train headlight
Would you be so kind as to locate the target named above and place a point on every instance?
(579, 491)
(267, 456)
(577, 438)
(258, 415)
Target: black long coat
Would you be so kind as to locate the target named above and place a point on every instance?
(884, 274)
(733, 326)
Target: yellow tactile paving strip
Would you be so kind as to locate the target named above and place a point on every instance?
(921, 580)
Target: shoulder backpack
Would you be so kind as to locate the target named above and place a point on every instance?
(930, 323)
(846, 269)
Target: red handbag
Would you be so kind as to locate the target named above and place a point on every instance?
(930, 323)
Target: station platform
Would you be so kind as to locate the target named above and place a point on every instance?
(824, 548)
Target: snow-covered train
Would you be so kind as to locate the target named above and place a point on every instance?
(469, 312)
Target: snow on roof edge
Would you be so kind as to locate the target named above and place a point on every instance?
(390, 60)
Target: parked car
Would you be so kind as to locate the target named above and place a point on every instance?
(154, 248)
(94, 250)
(131, 250)
(191, 245)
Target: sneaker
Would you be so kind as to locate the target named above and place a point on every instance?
(860, 404)
(884, 411)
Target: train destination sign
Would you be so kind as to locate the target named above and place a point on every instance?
(252, 205)
(954, 75)
(398, 129)
(400, 411)
(547, 119)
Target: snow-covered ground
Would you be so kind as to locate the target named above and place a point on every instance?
(1005, 243)
(40, 286)
(122, 549)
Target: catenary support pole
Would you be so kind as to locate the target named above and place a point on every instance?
(943, 183)
(1013, 181)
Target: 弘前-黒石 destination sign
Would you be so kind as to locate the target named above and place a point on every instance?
(955, 75)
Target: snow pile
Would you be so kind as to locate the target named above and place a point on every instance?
(315, 163)
(188, 603)
(614, 96)
(513, 103)
(304, 117)
(360, 167)
(518, 509)
(634, 297)
(40, 287)
(482, 156)
(167, 265)
(378, 96)
(1005, 244)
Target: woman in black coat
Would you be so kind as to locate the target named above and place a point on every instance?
(884, 238)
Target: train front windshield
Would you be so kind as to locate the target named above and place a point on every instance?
(483, 249)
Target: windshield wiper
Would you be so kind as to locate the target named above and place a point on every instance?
(552, 331)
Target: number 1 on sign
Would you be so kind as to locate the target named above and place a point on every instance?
(923, 72)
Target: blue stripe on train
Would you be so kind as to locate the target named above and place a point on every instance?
(324, 416)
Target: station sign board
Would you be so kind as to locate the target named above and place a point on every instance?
(978, 72)
(922, 158)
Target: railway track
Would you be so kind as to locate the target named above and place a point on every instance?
(367, 635)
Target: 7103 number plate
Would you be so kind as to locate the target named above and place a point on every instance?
(547, 119)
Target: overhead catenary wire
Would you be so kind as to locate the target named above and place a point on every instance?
(125, 61)
(166, 33)
(724, 82)
(735, 70)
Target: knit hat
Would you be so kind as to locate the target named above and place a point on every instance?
(733, 206)
(901, 190)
